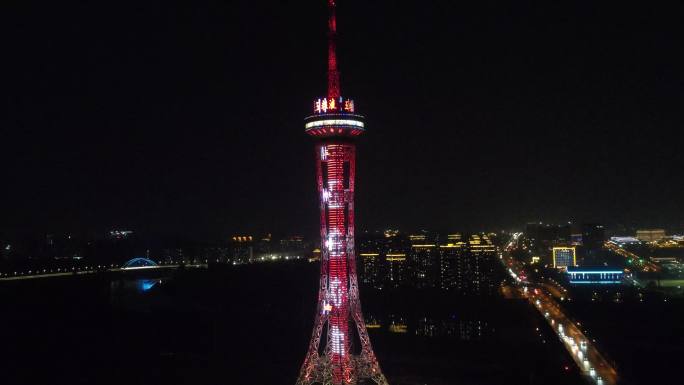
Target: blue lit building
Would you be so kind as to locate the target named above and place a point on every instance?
(595, 275)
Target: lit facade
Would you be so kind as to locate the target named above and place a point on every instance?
(384, 260)
(451, 256)
(424, 257)
(650, 235)
(595, 275)
(371, 273)
(242, 249)
(564, 257)
(468, 266)
(397, 270)
(621, 241)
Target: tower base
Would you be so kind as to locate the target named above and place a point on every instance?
(318, 370)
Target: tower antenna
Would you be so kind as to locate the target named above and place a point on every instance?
(333, 73)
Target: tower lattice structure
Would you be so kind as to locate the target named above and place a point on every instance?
(340, 351)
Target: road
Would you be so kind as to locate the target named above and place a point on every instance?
(583, 350)
(70, 273)
(633, 259)
(556, 291)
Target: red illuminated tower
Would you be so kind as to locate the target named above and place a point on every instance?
(340, 351)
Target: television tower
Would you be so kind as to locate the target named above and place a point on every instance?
(340, 351)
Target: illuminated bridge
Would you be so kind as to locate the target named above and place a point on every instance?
(137, 263)
(140, 263)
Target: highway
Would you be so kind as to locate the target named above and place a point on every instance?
(583, 350)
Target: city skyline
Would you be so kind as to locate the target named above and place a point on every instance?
(516, 114)
(512, 214)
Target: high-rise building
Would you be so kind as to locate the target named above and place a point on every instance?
(549, 234)
(396, 251)
(384, 261)
(293, 243)
(468, 265)
(484, 264)
(263, 245)
(335, 125)
(371, 260)
(593, 236)
(397, 272)
(242, 247)
(371, 266)
(451, 262)
(564, 257)
(424, 260)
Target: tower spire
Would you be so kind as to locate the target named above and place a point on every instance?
(333, 74)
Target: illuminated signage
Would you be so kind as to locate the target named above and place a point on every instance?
(325, 105)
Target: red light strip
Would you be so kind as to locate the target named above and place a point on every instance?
(338, 295)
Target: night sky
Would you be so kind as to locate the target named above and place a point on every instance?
(187, 116)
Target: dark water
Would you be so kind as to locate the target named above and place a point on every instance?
(251, 325)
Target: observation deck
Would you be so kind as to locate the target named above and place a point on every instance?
(334, 118)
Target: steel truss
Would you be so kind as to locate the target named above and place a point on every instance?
(339, 306)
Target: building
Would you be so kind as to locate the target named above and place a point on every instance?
(548, 234)
(383, 260)
(424, 261)
(650, 235)
(395, 251)
(576, 239)
(452, 255)
(564, 257)
(293, 243)
(595, 275)
(396, 270)
(484, 265)
(264, 245)
(469, 265)
(621, 241)
(541, 238)
(371, 260)
(371, 273)
(593, 236)
(242, 247)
